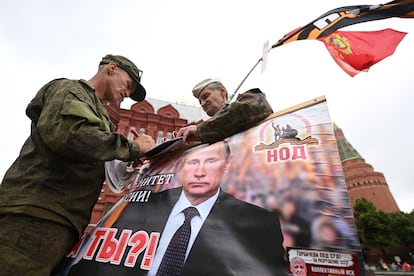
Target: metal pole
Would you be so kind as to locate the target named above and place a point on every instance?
(248, 74)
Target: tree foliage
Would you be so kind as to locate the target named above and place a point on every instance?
(377, 229)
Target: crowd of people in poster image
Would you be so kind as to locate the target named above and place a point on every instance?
(309, 196)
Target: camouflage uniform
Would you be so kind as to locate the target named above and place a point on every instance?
(60, 170)
(250, 108)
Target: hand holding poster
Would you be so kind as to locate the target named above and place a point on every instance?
(258, 194)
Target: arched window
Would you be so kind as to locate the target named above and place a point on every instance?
(159, 137)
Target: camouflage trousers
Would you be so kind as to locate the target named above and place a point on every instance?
(32, 246)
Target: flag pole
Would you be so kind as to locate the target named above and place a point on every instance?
(248, 74)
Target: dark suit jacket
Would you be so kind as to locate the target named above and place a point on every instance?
(237, 238)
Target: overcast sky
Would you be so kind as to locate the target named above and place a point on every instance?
(178, 43)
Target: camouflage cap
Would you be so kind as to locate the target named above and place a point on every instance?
(128, 66)
(203, 84)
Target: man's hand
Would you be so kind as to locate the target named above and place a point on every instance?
(145, 142)
(189, 134)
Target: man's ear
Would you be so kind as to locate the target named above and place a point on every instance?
(111, 68)
(223, 92)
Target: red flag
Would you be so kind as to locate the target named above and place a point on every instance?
(358, 51)
(341, 17)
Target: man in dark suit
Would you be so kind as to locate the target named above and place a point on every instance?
(229, 236)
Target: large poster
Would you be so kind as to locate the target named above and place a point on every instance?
(262, 197)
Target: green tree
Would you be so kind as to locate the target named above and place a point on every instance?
(403, 227)
(375, 228)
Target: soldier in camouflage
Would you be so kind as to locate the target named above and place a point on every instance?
(47, 195)
(226, 118)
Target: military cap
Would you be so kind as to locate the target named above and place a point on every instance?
(128, 66)
(203, 84)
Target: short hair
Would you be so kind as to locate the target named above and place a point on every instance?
(227, 150)
(296, 258)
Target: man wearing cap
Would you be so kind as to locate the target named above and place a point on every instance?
(47, 195)
(226, 118)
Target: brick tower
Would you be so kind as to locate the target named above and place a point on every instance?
(361, 179)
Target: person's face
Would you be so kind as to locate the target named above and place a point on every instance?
(119, 85)
(328, 234)
(201, 172)
(211, 100)
(298, 268)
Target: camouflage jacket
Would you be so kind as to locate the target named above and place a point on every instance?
(250, 108)
(60, 170)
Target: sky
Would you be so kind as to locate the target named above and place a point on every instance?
(179, 43)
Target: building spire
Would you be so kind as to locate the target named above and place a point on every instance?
(361, 179)
(346, 150)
